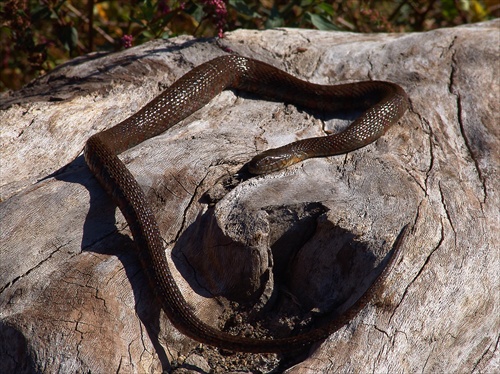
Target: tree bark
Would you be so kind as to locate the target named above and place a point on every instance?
(295, 243)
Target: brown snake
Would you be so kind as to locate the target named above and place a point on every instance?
(382, 103)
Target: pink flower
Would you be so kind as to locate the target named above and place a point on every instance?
(218, 11)
(163, 7)
(126, 41)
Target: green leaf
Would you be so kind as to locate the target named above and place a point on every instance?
(321, 23)
(148, 34)
(327, 8)
(136, 20)
(242, 7)
(40, 13)
(68, 35)
(274, 22)
(306, 3)
(196, 12)
(148, 10)
(275, 19)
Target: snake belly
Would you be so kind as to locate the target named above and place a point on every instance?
(382, 104)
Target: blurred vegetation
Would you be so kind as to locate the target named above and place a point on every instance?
(37, 35)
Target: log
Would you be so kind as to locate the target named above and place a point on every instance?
(263, 255)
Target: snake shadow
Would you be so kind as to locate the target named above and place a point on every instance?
(100, 235)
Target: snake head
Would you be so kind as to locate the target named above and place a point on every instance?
(275, 159)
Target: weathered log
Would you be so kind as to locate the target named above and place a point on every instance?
(307, 240)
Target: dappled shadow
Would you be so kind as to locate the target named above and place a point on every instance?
(59, 86)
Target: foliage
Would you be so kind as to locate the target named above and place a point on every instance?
(37, 35)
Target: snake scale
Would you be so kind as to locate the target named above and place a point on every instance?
(381, 104)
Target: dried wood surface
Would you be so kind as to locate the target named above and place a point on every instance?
(73, 297)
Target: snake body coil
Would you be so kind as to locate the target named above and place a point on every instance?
(382, 103)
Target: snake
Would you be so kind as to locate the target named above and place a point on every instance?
(380, 103)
